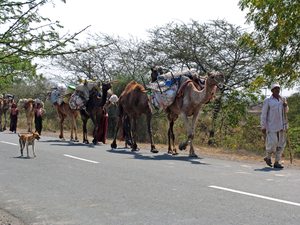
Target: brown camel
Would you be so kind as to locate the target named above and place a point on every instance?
(134, 102)
(63, 111)
(29, 108)
(189, 104)
(94, 109)
(5, 102)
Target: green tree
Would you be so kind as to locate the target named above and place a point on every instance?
(277, 24)
(25, 35)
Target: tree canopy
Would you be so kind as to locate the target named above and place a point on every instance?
(25, 35)
(277, 24)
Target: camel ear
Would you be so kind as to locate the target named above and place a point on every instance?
(114, 82)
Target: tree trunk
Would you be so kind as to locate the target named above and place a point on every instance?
(216, 112)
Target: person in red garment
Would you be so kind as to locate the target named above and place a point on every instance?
(102, 127)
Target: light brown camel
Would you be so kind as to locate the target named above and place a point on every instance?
(189, 104)
(29, 107)
(134, 102)
(63, 111)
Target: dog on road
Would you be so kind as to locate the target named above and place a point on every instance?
(26, 140)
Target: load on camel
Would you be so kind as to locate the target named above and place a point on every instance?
(29, 106)
(6, 101)
(97, 96)
(187, 101)
(133, 102)
(59, 97)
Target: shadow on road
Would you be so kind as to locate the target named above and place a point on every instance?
(153, 156)
(267, 169)
(71, 143)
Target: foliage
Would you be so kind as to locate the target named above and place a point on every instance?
(277, 27)
(25, 35)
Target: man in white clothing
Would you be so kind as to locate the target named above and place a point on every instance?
(274, 125)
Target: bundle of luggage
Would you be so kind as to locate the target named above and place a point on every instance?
(163, 91)
(78, 96)
(24, 102)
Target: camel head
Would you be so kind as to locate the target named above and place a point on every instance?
(106, 86)
(214, 78)
(155, 72)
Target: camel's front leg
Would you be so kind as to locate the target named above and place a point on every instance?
(194, 121)
(184, 118)
(95, 122)
(29, 124)
(153, 149)
(74, 129)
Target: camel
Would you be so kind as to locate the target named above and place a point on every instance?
(189, 104)
(134, 102)
(63, 111)
(94, 109)
(29, 108)
(5, 102)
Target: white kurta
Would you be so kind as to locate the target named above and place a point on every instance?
(273, 120)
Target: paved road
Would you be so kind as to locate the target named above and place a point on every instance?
(72, 183)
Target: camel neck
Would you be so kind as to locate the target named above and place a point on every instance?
(205, 94)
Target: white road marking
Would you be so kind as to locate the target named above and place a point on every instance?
(9, 143)
(257, 196)
(80, 159)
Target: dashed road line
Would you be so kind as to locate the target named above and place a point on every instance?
(86, 160)
(255, 195)
(9, 143)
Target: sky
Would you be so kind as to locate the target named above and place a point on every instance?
(134, 17)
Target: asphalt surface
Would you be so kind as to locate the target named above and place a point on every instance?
(73, 183)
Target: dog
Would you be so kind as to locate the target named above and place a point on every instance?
(26, 139)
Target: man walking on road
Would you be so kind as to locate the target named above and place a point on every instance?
(274, 125)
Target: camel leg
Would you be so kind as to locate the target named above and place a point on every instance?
(194, 121)
(1, 123)
(61, 121)
(95, 122)
(5, 122)
(84, 118)
(29, 124)
(171, 136)
(134, 132)
(74, 128)
(114, 143)
(184, 118)
(153, 149)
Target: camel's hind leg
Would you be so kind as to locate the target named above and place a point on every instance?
(133, 120)
(119, 118)
(114, 143)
